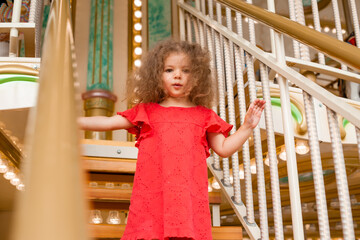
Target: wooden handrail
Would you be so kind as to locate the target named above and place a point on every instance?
(330, 46)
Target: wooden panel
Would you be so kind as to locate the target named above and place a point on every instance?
(109, 165)
(107, 142)
(107, 194)
(226, 233)
(116, 231)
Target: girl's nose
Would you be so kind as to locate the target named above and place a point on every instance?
(177, 74)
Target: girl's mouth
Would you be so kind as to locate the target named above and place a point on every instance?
(177, 85)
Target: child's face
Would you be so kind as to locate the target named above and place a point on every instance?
(176, 75)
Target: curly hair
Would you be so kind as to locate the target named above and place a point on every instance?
(145, 84)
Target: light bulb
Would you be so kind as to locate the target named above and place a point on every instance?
(301, 146)
(137, 3)
(109, 185)
(282, 154)
(138, 50)
(326, 29)
(266, 160)
(333, 30)
(137, 26)
(15, 181)
(138, 38)
(241, 174)
(253, 169)
(125, 186)
(138, 14)
(215, 184)
(10, 174)
(20, 187)
(3, 166)
(95, 217)
(137, 63)
(113, 218)
(93, 184)
(209, 188)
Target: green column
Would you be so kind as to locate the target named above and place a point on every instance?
(99, 100)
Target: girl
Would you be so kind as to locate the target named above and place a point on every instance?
(174, 130)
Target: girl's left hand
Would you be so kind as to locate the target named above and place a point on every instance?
(254, 112)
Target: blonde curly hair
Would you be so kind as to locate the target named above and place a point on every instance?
(145, 84)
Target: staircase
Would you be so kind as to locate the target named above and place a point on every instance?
(297, 176)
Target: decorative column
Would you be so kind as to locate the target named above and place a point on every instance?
(99, 100)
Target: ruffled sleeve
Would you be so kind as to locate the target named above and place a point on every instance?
(215, 124)
(139, 118)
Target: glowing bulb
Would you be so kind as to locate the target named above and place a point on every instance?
(282, 154)
(326, 29)
(20, 187)
(266, 160)
(3, 166)
(137, 63)
(241, 174)
(231, 179)
(138, 14)
(253, 169)
(95, 217)
(343, 31)
(137, 3)
(15, 181)
(301, 147)
(10, 174)
(246, 19)
(113, 217)
(311, 26)
(138, 38)
(333, 30)
(137, 26)
(209, 188)
(215, 184)
(138, 50)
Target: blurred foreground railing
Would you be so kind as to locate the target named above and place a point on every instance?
(53, 204)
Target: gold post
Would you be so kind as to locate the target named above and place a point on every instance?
(53, 205)
(99, 103)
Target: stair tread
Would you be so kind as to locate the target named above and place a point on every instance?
(116, 231)
(116, 194)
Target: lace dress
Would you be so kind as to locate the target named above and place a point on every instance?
(170, 191)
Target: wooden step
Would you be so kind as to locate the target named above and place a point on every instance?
(124, 195)
(101, 231)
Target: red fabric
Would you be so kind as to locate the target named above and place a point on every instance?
(170, 191)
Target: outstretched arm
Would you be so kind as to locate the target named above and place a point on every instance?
(102, 123)
(225, 147)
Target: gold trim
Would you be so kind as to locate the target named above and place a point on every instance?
(18, 69)
(330, 46)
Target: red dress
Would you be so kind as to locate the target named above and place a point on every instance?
(170, 191)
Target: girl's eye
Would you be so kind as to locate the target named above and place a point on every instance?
(168, 70)
(186, 70)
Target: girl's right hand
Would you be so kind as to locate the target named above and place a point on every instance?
(254, 112)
